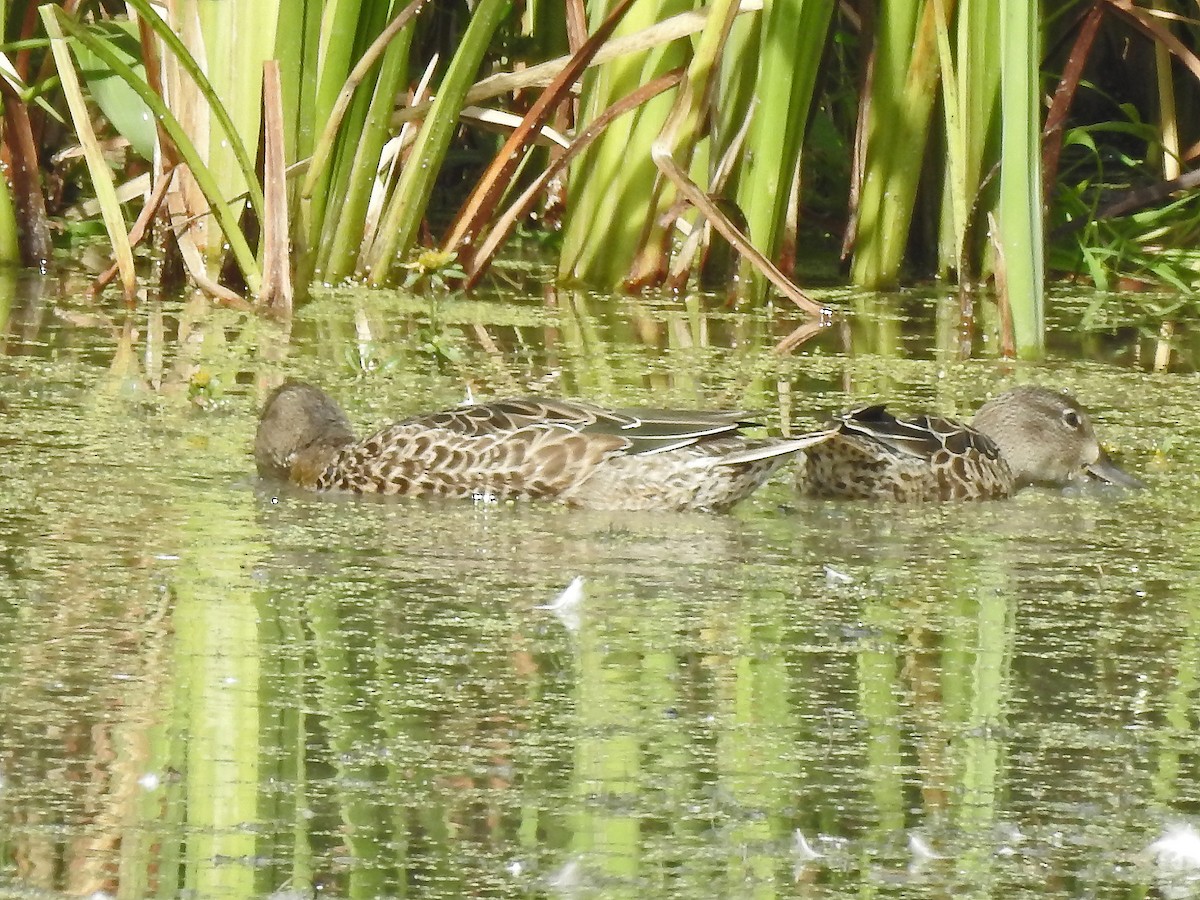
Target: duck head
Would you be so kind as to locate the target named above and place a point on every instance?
(1046, 437)
(299, 431)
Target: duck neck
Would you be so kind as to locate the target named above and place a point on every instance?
(310, 461)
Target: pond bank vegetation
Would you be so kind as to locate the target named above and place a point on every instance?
(632, 142)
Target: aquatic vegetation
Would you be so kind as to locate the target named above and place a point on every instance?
(351, 139)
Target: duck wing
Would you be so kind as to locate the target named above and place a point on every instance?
(920, 437)
(639, 430)
(514, 414)
(660, 430)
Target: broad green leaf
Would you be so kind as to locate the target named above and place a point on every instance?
(120, 103)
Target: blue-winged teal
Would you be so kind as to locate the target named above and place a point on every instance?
(1027, 435)
(536, 448)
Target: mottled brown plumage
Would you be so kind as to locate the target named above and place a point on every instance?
(1027, 435)
(579, 454)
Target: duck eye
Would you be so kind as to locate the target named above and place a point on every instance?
(1071, 418)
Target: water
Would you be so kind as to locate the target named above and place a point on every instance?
(213, 687)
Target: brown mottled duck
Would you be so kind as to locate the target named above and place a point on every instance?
(1027, 435)
(572, 452)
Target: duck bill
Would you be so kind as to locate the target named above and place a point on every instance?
(1104, 469)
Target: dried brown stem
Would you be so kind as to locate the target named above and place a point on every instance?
(1064, 94)
(483, 201)
(33, 225)
(276, 291)
(505, 223)
(138, 231)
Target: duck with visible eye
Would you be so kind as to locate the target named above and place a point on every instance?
(1027, 435)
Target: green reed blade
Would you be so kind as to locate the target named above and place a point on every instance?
(187, 150)
(335, 147)
(683, 138)
(957, 199)
(246, 100)
(968, 81)
(902, 93)
(102, 181)
(792, 42)
(10, 248)
(235, 70)
(342, 243)
(406, 208)
(1020, 204)
(612, 184)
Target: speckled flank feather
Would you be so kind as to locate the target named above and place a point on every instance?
(693, 477)
(416, 459)
(525, 448)
(1027, 435)
(875, 455)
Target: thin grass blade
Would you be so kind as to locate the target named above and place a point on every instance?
(407, 207)
(102, 180)
(218, 205)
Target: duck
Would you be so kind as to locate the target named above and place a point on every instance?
(1028, 435)
(523, 448)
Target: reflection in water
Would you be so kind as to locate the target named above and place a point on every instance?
(568, 606)
(214, 689)
(1176, 857)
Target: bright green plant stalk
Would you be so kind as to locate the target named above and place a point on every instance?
(298, 48)
(339, 18)
(187, 150)
(970, 132)
(739, 81)
(406, 208)
(10, 250)
(615, 227)
(102, 180)
(333, 152)
(230, 133)
(297, 40)
(979, 25)
(792, 42)
(902, 93)
(235, 67)
(1020, 204)
(342, 235)
(544, 23)
(885, 127)
(685, 127)
(957, 199)
(613, 182)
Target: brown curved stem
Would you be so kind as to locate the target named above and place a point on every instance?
(33, 226)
